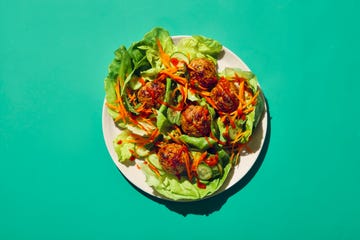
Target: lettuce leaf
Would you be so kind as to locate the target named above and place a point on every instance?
(149, 47)
(248, 75)
(199, 47)
(128, 64)
(174, 188)
(162, 122)
(201, 143)
(252, 119)
(123, 149)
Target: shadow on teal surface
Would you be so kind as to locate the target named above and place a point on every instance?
(212, 204)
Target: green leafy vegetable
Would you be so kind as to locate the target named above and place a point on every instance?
(199, 46)
(122, 148)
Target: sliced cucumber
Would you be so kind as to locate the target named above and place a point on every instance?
(180, 56)
(141, 151)
(204, 172)
(217, 170)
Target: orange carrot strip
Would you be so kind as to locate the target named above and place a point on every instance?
(197, 161)
(248, 110)
(153, 168)
(112, 107)
(242, 92)
(187, 164)
(178, 79)
(164, 57)
(252, 100)
(211, 102)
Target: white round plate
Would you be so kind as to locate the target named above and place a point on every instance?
(135, 175)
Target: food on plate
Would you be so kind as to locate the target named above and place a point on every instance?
(225, 96)
(195, 121)
(151, 94)
(183, 121)
(203, 73)
(173, 158)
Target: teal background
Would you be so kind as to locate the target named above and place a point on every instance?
(57, 180)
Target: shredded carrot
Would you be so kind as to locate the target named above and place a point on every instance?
(248, 110)
(141, 108)
(183, 92)
(173, 93)
(252, 100)
(197, 161)
(211, 102)
(232, 121)
(239, 136)
(242, 92)
(223, 118)
(178, 79)
(131, 96)
(142, 81)
(215, 138)
(153, 168)
(112, 107)
(129, 141)
(134, 153)
(144, 111)
(238, 79)
(185, 95)
(187, 164)
(175, 138)
(203, 93)
(123, 114)
(154, 134)
(148, 121)
(164, 57)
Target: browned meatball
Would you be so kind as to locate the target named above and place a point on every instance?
(172, 158)
(195, 121)
(151, 94)
(224, 95)
(203, 72)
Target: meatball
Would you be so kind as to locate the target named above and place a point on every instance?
(195, 121)
(151, 94)
(203, 72)
(224, 95)
(172, 158)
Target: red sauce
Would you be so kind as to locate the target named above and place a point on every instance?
(132, 158)
(212, 161)
(142, 81)
(174, 61)
(119, 142)
(200, 184)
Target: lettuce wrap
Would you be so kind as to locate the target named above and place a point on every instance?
(149, 88)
